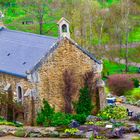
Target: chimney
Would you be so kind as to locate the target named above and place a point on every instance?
(64, 29)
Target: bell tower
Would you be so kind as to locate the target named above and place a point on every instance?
(64, 29)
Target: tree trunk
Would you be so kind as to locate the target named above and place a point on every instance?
(126, 52)
(41, 27)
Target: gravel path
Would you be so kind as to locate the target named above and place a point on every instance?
(126, 137)
(17, 138)
(133, 108)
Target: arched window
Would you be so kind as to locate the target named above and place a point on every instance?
(19, 94)
(64, 28)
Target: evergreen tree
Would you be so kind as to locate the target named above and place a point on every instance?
(84, 104)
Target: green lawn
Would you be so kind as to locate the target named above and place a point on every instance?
(115, 68)
(15, 15)
(135, 35)
(133, 53)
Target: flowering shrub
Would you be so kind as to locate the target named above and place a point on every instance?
(113, 112)
(119, 84)
(71, 131)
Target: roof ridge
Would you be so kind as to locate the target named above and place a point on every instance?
(43, 36)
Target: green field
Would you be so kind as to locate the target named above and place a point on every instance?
(115, 68)
(133, 53)
(14, 16)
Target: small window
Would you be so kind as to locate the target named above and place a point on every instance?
(64, 28)
(19, 94)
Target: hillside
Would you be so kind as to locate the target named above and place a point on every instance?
(15, 16)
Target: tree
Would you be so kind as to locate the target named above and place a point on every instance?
(37, 9)
(84, 104)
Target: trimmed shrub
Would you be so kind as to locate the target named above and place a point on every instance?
(113, 112)
(84, 104)
(120, 84)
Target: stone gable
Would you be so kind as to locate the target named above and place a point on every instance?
(65, 57)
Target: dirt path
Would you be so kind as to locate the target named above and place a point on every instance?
(122, 61)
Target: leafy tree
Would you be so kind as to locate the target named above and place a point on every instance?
(38, 9)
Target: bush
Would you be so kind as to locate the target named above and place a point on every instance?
(44, 117)
(48, 117)
(20, 133)
(113, 112)
(136, 82)
(1, 119)
(84, 104)
(60, 119)
(81, 118)
(120, 84)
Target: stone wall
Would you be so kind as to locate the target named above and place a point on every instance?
(65, 57)
(51, 80)
(14, 81)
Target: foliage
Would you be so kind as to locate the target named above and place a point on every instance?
(91, 137)
(136, 82)
(81, 118)
(120, 84)
(84, 104)
(69, 90)
(2, 119)
(20, 132)
(97, 123)
(60, 119)
(113, 112)
(7, 123)
(44, 117)
(48, 117)
(89, 123)
(71, 131)
(136, 138)
(116, 68)
(118, 124)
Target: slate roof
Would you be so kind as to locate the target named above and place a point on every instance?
(21, 51)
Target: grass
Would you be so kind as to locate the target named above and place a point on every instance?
(14, 16)
(135, 35)
(115, 68)
(134, 54)
(135, 93)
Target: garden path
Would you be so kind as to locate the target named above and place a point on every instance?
(133, 108)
